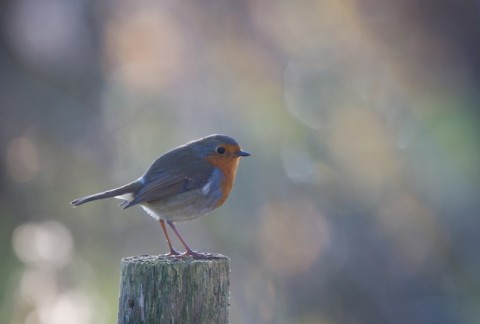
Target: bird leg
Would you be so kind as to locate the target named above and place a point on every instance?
(190, 252)
(173, 252)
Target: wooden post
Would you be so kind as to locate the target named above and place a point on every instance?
(161, 289)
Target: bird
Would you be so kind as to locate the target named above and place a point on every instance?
(184, 183)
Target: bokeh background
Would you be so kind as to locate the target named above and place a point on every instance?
(360, 203)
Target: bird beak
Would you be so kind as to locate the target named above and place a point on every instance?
(242, 153)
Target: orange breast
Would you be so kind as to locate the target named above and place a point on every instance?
(228, 165)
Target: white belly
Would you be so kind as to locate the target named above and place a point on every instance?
(182, 207)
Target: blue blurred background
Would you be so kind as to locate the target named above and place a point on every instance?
(360, 203)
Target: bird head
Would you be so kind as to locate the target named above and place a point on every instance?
(218, 147)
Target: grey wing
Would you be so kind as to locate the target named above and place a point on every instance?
(162, 184)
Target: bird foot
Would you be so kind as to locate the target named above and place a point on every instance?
(173, 253)
(194, 255)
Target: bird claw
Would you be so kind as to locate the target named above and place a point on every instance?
(173, 253)
(194, 255)
(188, 254)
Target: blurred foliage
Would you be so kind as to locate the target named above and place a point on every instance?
(359, 205)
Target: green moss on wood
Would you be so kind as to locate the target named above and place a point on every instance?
(159, 289)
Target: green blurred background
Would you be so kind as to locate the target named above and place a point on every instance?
(360, 203)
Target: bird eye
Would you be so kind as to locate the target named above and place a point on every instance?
(220, 150)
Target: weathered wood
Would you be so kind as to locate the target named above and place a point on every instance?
(160, 289)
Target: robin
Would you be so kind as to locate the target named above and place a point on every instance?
(187, 182)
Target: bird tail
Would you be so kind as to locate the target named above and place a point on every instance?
(121, 191)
